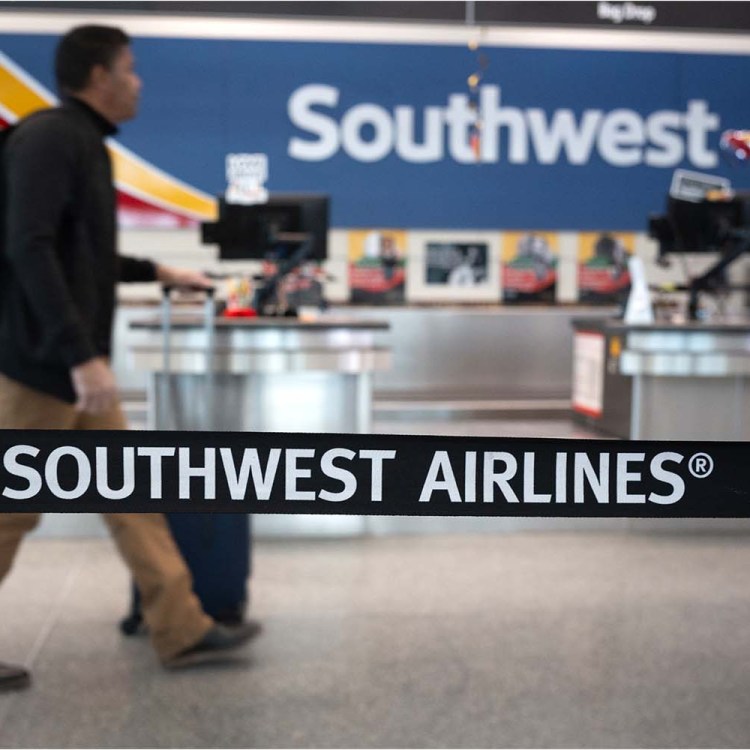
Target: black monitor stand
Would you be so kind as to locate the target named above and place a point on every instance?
(269, 288)
(289, 229)
(716, 226)
(737, 244)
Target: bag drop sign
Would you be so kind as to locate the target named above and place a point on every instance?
(368, 475)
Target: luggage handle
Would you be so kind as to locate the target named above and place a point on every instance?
(209, 324)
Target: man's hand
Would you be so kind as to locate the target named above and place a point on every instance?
(182, 277)
(95, 386)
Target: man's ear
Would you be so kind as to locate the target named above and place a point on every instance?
(97, 76)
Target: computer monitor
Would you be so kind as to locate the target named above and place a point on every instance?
(272, 230)
(699, 226)
(719, 226)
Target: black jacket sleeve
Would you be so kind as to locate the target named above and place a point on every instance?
(41, 183)
(136, 269)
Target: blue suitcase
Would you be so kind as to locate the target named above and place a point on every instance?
(216, 546)
(218, 551)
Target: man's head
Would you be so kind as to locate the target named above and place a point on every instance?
(96, 64)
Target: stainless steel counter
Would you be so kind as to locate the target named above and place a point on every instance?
(441, 352)
(688, 381)
(264, 375)
(260, 374)
(687, 351)
(261, 345)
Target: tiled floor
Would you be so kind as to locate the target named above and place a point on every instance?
(598, 638)
(515, 640)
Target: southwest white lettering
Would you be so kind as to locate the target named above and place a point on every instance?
(441, 464)
(529, 494)
(377, 457)
(562, 134)
(561, 477)
(347, 479)
(432, 148)
(32, 476)
(470, 477)
(668, 477)
(128, 474)
(262, 481)
(207, 473)
(502, 480)
(68, 472)
(254, 479)
(584, 472)
(156, 456)
(624, 477)
(51, 472)
(592, 478)
(294, 473)
(623, 137)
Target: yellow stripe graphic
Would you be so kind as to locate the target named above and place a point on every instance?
(146, 182)
(19, 97)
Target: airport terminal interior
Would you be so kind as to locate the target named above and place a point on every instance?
(578, 637)
(425, 222)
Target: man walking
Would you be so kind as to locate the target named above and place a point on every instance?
(57, 296)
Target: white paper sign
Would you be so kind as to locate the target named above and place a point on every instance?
(246, 174)
(588, 373)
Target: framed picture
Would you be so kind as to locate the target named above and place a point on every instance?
(456, 264)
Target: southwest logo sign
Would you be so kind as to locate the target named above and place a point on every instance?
(368, 132)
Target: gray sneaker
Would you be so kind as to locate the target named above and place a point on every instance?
(219, 644)
(13, 677)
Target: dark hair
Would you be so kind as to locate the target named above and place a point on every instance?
(83, 48)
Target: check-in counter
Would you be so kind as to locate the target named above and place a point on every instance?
(664, 381)
(264, 374)
(438, 353)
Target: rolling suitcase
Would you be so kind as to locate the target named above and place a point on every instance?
(216, 546)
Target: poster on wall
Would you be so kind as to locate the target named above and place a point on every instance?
(456, 264)
(377, 267)
(603, 276)
(529, 266)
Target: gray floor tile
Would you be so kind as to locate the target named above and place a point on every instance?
(514, 640)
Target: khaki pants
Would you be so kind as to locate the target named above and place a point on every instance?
(172, 611)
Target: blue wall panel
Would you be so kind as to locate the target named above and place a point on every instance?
(205, 98)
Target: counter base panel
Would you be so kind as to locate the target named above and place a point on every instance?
(258, 402)
(668, 408)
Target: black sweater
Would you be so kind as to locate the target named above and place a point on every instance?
(60, 265)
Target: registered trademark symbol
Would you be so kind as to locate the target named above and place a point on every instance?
(701, 465)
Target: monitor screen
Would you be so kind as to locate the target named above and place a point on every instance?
(695, 227)
(700, 227)
(262, 231)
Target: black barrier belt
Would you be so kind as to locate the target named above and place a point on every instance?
(385, 475)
